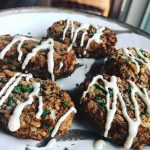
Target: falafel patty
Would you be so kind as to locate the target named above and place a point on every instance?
(120, 108)
(87, 40)
(130, 63)
(33, 108)
(44, 59)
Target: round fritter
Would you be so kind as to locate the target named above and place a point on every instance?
(56, 103)
(38, 64)
(95, 50)
(93, 106)
(122, 66)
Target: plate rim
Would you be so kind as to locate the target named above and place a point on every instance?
(41, 9)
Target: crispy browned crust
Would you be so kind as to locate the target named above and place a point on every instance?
(120, 65)
(32, 128)
(119, 127)
(38, 64)
(106, 48)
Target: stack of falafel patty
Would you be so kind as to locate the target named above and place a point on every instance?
(116, 100)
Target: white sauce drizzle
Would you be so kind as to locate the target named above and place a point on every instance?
(66, 28)
(83, 27)
(11, 80)
(14, 121)
(56, 128)
(29, 76)
(84, 52)
(48, 44)
(96, 37)
(50, 60)
(17, 38)
(99, 144)
(82, 38)
(40, 108)
(143, 60)
(133, 125)
(52, 114)
(14, 81)
(61, 65)
(48, 146)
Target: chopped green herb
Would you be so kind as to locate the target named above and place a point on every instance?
(3, 80)
(91, 32)
(129, 90)
(64, 49)
(27, 88)
(46, 112)
(66, 103)
(139, 63)
(19, 88)
(110, 92)
(138, 56)
(79, 65)
(66, 148)
(99, 87)
(29, 33)
(80, 32)
(45, 52)
(100, 101)
(10, 101)
(50, 128)
(128, 59)
(143, 112)
(124, 98)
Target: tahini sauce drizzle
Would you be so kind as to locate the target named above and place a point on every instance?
(21, 40)
(96, 37)
(61, 65)
(99, 144)
(14, 121)
(48, 44)
(133, 125)
(143, 60)
(56, 128)
(69, 22)
(83, 27)
(10, 86)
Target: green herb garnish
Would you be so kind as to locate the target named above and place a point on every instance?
(46, 112)
(129, 90)
(143, 112)
(17, 90)
(3, 80)
(80, 32)
(79, 65)
(45, 52)
(21, 88)
(99, 87)
(10, 101)
(128, 59)
(66, 103)
(100, 101)
(111, 92)
(50, 128)
(27, 88)
(66, 148)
